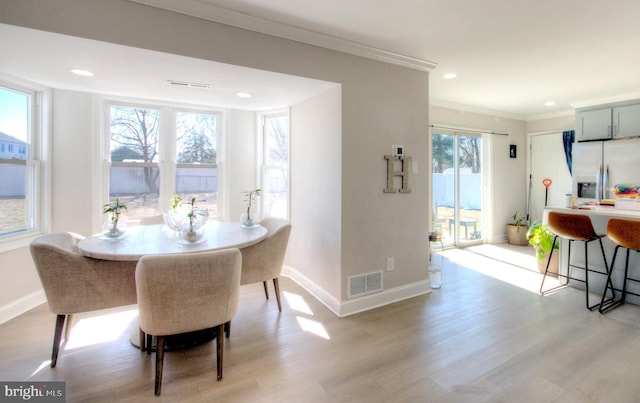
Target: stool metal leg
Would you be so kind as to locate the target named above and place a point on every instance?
(546, 271)
(608, 305)
(609, 284)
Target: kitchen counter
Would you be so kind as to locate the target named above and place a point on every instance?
(596, 211)
(600, 216)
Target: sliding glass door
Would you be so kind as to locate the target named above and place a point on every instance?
(457, 187)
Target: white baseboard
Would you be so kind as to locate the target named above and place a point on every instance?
(21, 305)
(350, 307)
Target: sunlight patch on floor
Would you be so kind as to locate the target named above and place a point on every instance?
(313, 327)
(522, 278)
(297, 303)
(100, 329)
(45, 364)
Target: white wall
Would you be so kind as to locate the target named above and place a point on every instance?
(314, 256)
(381, 105)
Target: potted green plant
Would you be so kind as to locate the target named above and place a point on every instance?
(113, 210)
(249, 219)
(516, 231)
(541, 238)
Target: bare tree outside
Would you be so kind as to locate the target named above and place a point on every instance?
(470, 153)
(196, 152)
(276, 165)
(196, 137)
(136, 129)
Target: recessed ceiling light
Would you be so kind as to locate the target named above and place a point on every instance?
(83, 73)
(549, 103)
(244, 94)
(449, 76)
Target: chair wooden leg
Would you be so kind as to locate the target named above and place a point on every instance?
(149, 343)
(143, 339)
(276, 285)
(227, 329)
(159, 362)
(266, 291)
(57, 335)
(219, 350)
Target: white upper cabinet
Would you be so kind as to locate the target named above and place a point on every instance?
(612, 121)
(626, 121)
(593, 125)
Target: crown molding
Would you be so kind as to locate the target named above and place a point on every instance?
(220, 15)
(474, 109)
(609, 100)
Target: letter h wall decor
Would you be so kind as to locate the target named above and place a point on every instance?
(397, 165)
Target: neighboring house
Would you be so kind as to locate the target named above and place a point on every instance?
(12, 148)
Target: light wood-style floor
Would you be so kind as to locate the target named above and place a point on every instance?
(479, 338)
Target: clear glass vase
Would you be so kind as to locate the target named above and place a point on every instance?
(114, 229)
(192, 232)
(249, 220)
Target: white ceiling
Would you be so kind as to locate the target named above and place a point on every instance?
(510, 56)
(128, 72)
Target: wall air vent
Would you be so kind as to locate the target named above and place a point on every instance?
(364, 284)
(190, 85)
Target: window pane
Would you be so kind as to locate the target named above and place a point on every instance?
(199, 182)
(14, 148)
(196, 136)
(276, 160)
(196, 152)
(134, 139)
(131, 185)
(276, 194)
(277, 140)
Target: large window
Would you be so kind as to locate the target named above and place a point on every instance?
(457, 181)
(275, 165)
(158, 151)
(196, 153)
(20, 169)
(134, 174)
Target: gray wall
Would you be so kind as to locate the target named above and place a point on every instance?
(353, 222)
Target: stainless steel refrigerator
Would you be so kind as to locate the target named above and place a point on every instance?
(600, 165)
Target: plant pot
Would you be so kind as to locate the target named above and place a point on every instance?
(553, 265)
(248, 221)
(114, 230)
(517, 235)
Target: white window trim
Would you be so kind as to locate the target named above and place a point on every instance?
(39, 159)
(166, 151)
(261, 167)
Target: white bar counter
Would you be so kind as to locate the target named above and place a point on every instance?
(600, 216)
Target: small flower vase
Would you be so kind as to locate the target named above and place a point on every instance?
(113, 229)
(174, 219)
(248, 220)
(192, 233)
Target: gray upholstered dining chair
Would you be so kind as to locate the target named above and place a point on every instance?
(263, 261)
(183, 293)
(73, 283)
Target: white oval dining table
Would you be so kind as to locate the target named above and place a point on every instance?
(159, 239)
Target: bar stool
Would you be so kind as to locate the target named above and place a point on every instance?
(625, 234)
(575, 227)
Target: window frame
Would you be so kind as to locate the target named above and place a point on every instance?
(263, 158)
(167, 143)
(38, 163)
